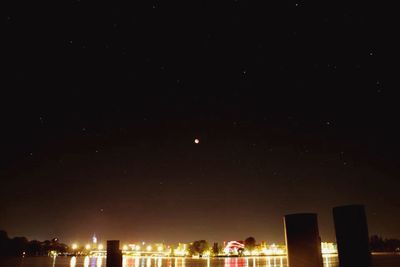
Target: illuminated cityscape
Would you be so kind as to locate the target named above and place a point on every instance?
(229, 248)
(231, 253)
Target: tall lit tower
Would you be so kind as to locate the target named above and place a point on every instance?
(94, 240)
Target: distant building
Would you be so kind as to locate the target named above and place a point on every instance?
(181, 250)
(233, 248)
(328, 248)
(94, 238)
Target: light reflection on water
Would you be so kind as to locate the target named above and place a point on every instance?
(73, 262)
(391, 260)
(131, 261)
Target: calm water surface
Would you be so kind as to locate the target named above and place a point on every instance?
(329, 261)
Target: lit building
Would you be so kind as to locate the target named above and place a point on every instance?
(272, 250)
(328, 248)
(233, 248)
(94, 241)
(181, 250)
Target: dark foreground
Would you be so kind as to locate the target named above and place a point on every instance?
(329, 261)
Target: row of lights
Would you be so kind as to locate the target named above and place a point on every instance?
(87, 247)
(125, 247)
(137, 248)
(326, 248)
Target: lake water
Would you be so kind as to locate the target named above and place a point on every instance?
(329, 261)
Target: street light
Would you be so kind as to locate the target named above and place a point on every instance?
(74, 246)
(149, 248)
(87, 246)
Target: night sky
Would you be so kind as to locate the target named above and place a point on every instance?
(101, 103)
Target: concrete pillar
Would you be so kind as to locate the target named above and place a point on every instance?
(114, 254)
(302, 240)
(352, 236)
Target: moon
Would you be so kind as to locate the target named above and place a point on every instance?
(196, 141)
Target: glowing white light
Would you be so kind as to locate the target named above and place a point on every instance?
(87, 246)
(100, 246)
(86, 262)
(328, 248)
(149, 248)
(53, 253)
(196, 141)
(72, 262)
(74, 246)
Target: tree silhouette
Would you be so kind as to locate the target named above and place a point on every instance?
(198, 247)
(18, 245)
(250, 243)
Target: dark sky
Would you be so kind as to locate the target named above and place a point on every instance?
(101, 102)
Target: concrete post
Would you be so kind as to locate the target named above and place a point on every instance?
(114, 254)
(352, 236)
(302, 240)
